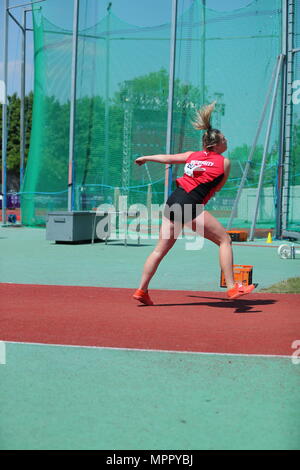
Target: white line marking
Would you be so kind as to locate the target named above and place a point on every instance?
(2, 352)
(149, 350)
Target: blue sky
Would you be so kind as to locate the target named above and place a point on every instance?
(139, 12)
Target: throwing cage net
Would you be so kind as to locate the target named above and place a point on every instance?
(122, 103)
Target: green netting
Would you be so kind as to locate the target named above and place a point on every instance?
(293, 223)
(122, 101)
(229, 57)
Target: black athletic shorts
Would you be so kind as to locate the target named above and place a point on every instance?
(182, 206)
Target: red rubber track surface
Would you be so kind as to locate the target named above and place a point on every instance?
(179, 320)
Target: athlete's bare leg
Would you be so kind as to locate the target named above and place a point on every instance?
(168, 235)
(215, 232)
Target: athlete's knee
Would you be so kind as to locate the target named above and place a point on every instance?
(226, 239)
(223, 239)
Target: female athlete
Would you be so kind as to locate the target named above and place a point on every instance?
(205, 172)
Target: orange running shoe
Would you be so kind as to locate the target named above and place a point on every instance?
(238, 290)
(143, 297)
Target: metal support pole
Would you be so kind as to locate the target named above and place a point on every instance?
(248, 164)
(284, 47)
(266, 145)
(288, 117)
(22, 107)
(106, 116)
(168, 174)
(71, 198)
(14, 19)
(278, 215)
(4, 113)
(203, 38)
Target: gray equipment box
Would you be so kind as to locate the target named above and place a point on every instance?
(76, 226)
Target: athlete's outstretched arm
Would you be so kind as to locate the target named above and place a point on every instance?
(168, 159)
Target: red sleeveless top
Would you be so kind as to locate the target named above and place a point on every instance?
(202, 173)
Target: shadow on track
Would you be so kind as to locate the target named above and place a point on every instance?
(240, 305)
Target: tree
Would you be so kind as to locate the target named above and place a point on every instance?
(147, 96)
(13, 136)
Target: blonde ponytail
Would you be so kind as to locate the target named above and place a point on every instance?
(203, 117)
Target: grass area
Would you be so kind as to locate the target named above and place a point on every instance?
(289, 286)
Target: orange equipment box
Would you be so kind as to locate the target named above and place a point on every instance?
(242, 274)
(238, 235)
